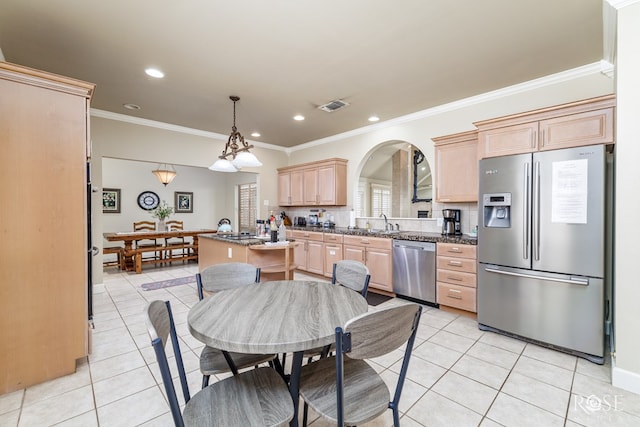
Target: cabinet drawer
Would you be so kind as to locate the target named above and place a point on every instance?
(457, 277)
(455, 296)
(455, 250)
(307, 235)
(370, 242)
(333, 238)
(457, 264)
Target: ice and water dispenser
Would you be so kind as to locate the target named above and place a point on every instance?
(497, 210)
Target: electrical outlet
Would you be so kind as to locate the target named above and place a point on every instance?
(439, 221)
(229, 253)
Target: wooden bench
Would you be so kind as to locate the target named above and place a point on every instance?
(138, 260)
(188, 252)
(119, 252)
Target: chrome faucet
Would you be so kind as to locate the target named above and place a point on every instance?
(386, 223)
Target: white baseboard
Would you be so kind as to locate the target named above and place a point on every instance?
(626, 380)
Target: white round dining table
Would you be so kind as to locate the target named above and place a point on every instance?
(286, 316)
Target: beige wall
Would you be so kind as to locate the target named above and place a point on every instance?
(626, 372)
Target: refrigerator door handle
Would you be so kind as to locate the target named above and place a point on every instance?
(572, 281)
(536, 212)
(526, 214)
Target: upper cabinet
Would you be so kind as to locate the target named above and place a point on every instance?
(576, 124)
(456, 167)
(322, 183)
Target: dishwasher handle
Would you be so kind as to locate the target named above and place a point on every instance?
(417, 248)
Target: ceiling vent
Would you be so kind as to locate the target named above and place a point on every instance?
(333, 106)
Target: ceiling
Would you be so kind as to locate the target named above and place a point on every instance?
(284, 58)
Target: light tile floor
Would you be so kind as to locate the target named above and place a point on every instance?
(458, 375)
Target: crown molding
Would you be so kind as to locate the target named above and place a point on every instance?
(574, 73)
(175, 128)
(619, 4)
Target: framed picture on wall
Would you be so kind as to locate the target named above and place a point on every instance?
(183, 202)
(110, 200)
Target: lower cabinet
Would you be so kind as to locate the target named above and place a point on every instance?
(375, 253)
(456, 276)
(332, 252)
(309, 254)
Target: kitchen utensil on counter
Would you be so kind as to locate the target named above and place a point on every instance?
(285, 219)
(224, 225)
(451, 222)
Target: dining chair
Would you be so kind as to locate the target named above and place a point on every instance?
(175, 243)
(345, 389)
(350, 274)
(147, 243)
(217, 278)
(253, 398)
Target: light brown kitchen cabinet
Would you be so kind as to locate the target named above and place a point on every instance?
(375, 253)
(309, 254)
(290, 188)
(332, 252)
(322, 183)
(43, 262)
(456, 276)
(456, 167)
(576, 124)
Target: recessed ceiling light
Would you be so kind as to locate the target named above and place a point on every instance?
(131, 106)
(154, 72)
(374, 118)
(298, 117)
(255, 134)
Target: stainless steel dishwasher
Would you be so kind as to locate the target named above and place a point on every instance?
(414, 270)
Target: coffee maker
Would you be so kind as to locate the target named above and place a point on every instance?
(451, 222)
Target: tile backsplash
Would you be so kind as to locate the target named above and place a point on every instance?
(340, 216)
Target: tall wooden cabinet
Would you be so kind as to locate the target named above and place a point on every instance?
(44, 134)
(456, 167)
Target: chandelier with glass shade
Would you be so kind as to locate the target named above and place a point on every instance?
(237, 149)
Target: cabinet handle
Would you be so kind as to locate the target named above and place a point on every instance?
(364, 242)
(456, 263)
(458, 279)
(455, 250)
(455, 294)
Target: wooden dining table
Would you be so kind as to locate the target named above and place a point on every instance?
(285, 316)
(128, 237)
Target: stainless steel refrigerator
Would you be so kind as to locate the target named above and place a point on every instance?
(541, 248)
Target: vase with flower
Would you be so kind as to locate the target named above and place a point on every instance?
(162, 212)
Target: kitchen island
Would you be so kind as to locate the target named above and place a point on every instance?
(275, 260)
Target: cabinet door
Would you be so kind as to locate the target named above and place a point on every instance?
(297, 188)
(327, 185)
(284, 188)
(300, 254)
(379, 263)
(577, 130)
(332, 254)
(354, 253)
(508, 140)
(315, 257)
(311, 186)
(456, 168)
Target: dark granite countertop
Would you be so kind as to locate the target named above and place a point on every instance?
(418, 236)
